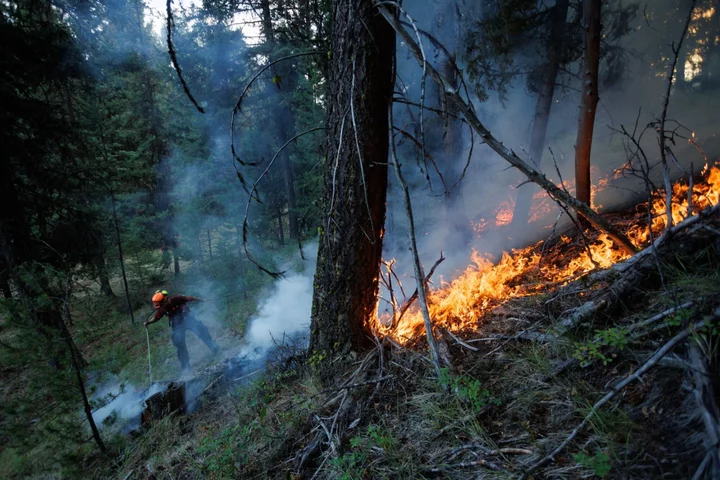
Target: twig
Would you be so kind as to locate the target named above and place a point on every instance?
(413, 297)
(650, 363)
(660, 316)
(469, 347)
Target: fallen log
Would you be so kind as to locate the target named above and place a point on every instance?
(163, 403)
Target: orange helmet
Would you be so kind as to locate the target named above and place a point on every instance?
(159, 298)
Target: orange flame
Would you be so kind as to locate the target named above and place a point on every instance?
(463, 302)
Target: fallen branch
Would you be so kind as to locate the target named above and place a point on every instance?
(474, 463)
(705, 397)
(660, 316)
(650, 363)
(469, 347)
(669, 233)
(534, 175)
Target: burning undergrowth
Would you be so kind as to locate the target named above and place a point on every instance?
(462, 303)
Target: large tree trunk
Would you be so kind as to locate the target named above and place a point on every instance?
(589, 100)
(346, 279)
(542, 110)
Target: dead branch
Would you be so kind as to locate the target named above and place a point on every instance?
(427, 155)
(650, 363)
(173, 56)
(469, 347)
(705, 397)
(536, 176)
(660, 316)
(414, 296)
(663, 117)
(419, 276)
(669, 233)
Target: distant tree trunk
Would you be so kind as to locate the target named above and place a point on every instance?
(122, 259)
(209, 243)
(355, 185)
(5, 283)
(589, 100)
(176, 261)
(451, 161)
(103, 277)
(521, 212)
(199, 247)
(284, 120)
(280, 232)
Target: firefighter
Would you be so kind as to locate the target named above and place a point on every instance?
(180, 319)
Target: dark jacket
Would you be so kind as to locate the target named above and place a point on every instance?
(175, 308)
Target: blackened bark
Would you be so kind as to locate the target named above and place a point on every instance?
(589, 99)
(542, 110)
(346, 279)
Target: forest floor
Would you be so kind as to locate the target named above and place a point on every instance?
(521, 380)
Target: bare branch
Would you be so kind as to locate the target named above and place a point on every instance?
(173, 56)
(661, 131)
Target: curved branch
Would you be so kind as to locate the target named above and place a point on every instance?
(253, 194)
(238, 104)
(173, 57)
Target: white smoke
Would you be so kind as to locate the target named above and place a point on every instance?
(285, 313)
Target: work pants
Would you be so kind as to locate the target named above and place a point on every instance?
(179, 325)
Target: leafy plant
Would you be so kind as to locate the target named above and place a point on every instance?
(593, 350)
(599, 463)
(468, 390)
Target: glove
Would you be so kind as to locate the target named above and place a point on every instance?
(146, 323)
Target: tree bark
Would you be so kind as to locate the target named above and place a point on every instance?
(350, 244)
(542, 109)
(589, 99)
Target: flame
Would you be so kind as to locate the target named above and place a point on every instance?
(463, 302)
